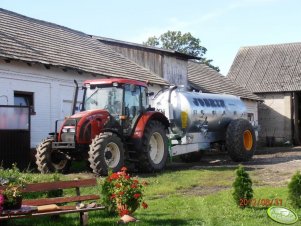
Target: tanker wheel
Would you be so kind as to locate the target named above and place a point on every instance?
(106, 152)
(154, 153)
(191, 157)
(240, 140)
(49, 160)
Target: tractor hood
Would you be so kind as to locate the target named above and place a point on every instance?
(84, 125)
(90, 113)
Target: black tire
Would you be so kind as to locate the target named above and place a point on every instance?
(49, 160)
(240, 140)
(191, 157)
(153, 160)
(102, 150)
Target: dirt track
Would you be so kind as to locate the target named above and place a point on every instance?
(269, 166)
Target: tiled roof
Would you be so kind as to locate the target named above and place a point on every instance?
(31, 40)
(208, 80)
(268, 68)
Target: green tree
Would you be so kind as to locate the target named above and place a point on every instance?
(294, 190)
(243, 192)
(183, 43)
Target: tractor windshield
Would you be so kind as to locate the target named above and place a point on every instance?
(108, 98)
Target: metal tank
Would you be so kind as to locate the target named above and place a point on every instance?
(198, 117)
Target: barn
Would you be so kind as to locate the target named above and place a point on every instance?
(273, 72)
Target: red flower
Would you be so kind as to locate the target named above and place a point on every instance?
(127, 176)
(124, 212)
(137, 195)
(1, 199)
(118, 185)
(113, 196)
(135, 181)
(123, 169)
(121, 193)
(114, 176)
(144, 205)
(133, 186)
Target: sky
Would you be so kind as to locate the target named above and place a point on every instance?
(223, 26)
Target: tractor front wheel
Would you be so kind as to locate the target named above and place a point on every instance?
(154, 153)
(240, 140)
(106, 152)
(49, 160)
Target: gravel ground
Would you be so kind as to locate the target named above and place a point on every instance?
(270, 166)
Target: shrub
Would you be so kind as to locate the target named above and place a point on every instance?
(242, 187)
(294, 190)
(122, 194)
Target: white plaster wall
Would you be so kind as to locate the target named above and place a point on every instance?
(50, 87)
(252, 107)
(275, 116)
(53, 93)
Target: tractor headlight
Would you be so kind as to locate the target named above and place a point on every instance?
(68, 129)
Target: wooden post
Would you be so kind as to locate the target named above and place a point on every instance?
(84, 218)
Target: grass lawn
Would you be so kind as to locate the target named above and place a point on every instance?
(186, 197)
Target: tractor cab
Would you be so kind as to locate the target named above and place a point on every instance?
(123, 99)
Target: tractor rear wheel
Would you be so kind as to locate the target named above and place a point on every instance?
(240, 140)
(49, 160)
(106, 152)
(154, 153)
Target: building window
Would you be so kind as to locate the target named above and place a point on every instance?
(250, 117)
(24, 99)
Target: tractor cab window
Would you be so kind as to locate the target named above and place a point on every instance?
(108, 98)
(131, 100)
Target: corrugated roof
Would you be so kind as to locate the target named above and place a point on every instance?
(31, 40)
(209, 80)
(268, 68)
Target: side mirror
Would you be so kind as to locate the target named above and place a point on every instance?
(150, 94)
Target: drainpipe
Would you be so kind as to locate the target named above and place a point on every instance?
(75, 97)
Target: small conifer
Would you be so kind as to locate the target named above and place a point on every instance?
(243, 192)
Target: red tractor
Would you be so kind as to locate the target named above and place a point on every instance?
(115, 126)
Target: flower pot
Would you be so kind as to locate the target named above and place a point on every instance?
(12, 203)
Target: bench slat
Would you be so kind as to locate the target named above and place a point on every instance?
(69, 209)
(47, 186)
(47, 201)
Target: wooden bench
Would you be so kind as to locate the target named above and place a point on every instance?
(62, 209)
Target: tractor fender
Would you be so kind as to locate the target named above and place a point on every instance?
(147, 117)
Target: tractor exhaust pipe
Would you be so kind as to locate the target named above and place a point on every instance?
(75, 97)
(170, 110)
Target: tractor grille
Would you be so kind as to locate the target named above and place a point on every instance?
(66, 134)
(67, 137)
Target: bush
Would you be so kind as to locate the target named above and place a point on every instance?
(242, 187)
(294, 190)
